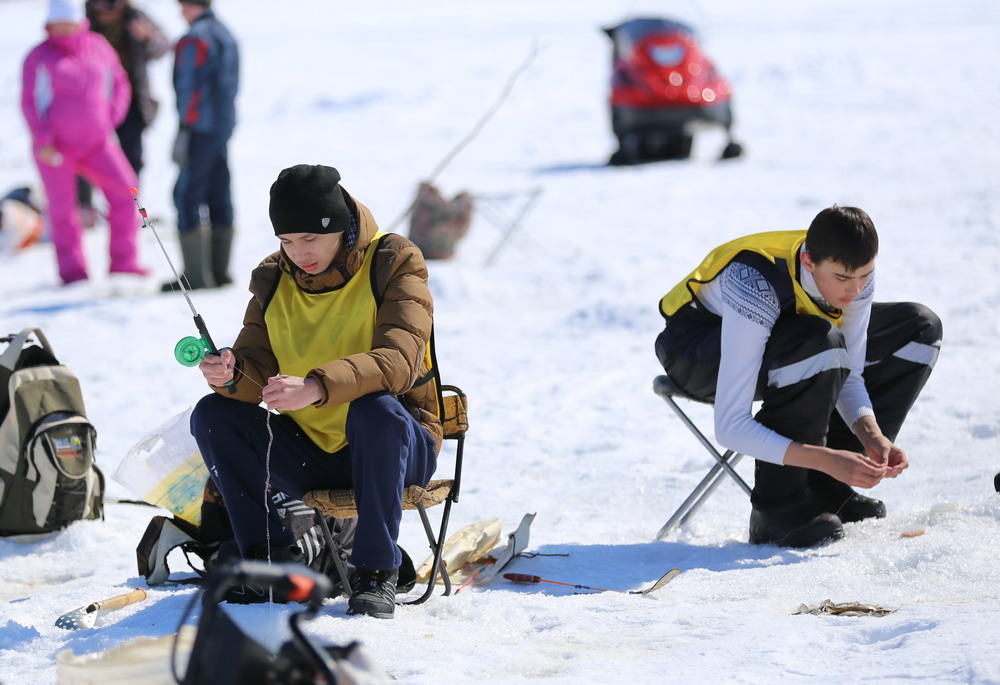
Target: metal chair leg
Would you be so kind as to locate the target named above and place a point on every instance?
(720, 459)
(437, 548)
(711, 479)
(724, 463)
(711, 488)
(338, 562)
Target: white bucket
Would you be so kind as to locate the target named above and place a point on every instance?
(143, 661)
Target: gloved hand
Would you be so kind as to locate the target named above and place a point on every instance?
(182, 146)
(50, 155)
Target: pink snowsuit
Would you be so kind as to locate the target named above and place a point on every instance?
(74, 93)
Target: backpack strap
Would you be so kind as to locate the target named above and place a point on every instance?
(8, 359)
(372, 270)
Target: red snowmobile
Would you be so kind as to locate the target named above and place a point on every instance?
(663, 87)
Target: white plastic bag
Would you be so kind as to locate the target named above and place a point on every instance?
(166, 470)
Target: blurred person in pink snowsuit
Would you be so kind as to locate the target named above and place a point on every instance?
(74, 93)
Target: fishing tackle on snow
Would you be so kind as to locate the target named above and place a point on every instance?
(189, 350)
(663, 580)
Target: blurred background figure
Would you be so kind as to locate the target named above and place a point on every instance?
(137, 40)
(22, 222)
(206, 78)
(74, 93)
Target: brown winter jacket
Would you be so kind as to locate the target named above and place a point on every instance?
(402, 327)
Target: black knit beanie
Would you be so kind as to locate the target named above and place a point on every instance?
(307, 198)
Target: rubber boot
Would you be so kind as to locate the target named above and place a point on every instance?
(222, 246)
(794, 525)
(194, 251)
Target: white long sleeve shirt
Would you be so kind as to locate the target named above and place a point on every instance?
(749, 308)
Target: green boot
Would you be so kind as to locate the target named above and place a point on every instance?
(194, 251)
(222, 246)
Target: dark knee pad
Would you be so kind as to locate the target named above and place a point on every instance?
(928, 323)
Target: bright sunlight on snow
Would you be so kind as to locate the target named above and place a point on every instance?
(890, 106)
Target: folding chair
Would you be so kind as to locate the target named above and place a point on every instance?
(491, 208)
(340, 504)
(724, 462)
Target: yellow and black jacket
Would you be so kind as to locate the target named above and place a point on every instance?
(775, 255)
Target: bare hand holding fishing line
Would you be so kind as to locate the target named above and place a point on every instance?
(288, 393)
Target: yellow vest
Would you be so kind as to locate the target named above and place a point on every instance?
(307, 330)
(780, 248)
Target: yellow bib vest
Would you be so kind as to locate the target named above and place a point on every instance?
(780, 248)
(307, 330)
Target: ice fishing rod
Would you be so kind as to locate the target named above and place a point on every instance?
(664, 579)
(189, 350)
(475, 575)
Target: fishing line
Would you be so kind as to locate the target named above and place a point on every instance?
(267, 488)
(190, 350)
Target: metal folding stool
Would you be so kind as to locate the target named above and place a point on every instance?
(491, 208)
(724, 462)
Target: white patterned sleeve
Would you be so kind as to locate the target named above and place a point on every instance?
(750, 309)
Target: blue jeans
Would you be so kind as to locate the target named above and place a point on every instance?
(387, 451)
(204, 182)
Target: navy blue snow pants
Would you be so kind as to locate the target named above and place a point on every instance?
(387, 451)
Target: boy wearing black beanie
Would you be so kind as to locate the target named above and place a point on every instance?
(335, 338)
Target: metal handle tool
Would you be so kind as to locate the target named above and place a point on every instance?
(86, 616)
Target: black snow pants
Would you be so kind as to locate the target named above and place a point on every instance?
(799, 391)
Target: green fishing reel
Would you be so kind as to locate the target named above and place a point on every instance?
(190, 351)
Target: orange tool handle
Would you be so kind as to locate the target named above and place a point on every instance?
(522, 578)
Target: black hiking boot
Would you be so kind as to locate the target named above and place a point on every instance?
(794, 525)
(858, 508)
(374, 593)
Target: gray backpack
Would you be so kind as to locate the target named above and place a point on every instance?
(48, 477)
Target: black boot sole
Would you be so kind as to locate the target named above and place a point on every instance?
(370, 611)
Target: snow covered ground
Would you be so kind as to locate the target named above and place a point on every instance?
(890, 106)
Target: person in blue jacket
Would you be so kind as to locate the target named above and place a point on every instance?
(206, 79)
